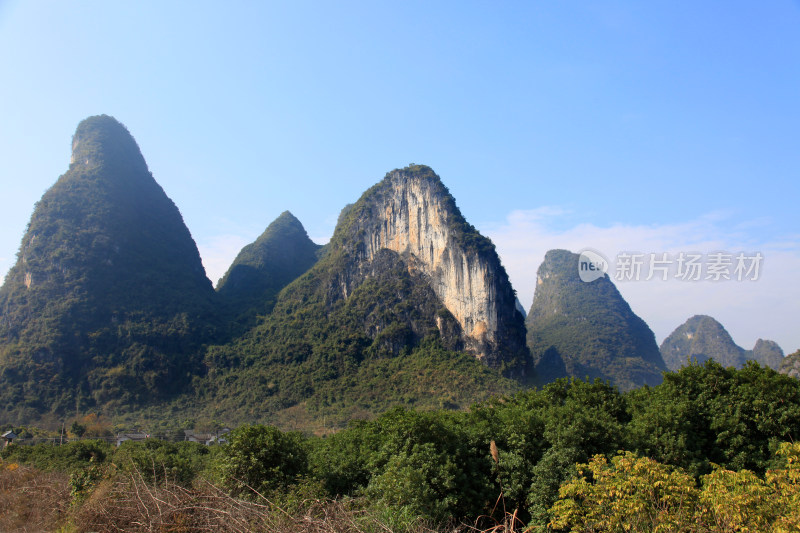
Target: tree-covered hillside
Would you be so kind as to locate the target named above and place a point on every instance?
(108, 303)
(709, 449)
(354, 336)
(586, 329)
(279, 256)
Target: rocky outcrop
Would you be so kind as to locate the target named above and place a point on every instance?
(791, 365)
(413, 214)
(586, 329)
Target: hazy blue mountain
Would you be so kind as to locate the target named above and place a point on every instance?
(767, 353)
(701, 338)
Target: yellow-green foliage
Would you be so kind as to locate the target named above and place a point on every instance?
(632, 493)
(628, 494)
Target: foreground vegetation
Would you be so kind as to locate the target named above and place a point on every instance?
(708, 450)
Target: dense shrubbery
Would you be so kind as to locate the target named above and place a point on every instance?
(700, 450)
(261, 460)
(631, 493)
(156, 460)
(67, 458)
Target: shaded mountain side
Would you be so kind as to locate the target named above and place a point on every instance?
(586, 329)
(261, 269)
(108, 302)
(702, 337)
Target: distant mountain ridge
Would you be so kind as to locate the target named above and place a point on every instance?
(587, 329)
(702, 337)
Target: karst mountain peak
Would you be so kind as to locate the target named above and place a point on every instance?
(108, 307)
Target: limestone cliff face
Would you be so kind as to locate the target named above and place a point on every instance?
(413, 214)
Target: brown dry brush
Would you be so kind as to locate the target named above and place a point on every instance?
(510, 524)
(129, 503)
(32, 500)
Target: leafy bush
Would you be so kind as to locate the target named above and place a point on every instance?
(409, 463)
(158, 461)
(261, 459)
(67, 458)
(710, 414)
(632, 493)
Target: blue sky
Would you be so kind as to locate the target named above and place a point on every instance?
(653, 126)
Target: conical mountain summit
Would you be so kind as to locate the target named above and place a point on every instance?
(587, 329)
(108, 300)
(767, 353)
(261, 269)
(412, 214)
